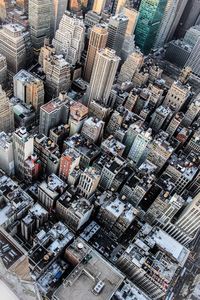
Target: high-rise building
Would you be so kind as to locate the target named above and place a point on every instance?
(6, 113)
(15, 45)
(97, 41)
(69, 38)
(133, 63)
(181, 4)
(189, 18)
(23, 148)
(138, 149)
(178, 53)
(77, 5)
(194, 143)
(160, 150)
(177, 95)
(70, 160)
(89, 181)
(93, 129)
(166, 23)
(23, 4)
(4, 4)
(160, 117)
(58, 9)
(150, 17)
(98, 6)
(29, 89)
(6, 154)
(194, 59)
(192, 113)
(189, 220)
(58, 75)
(103, 75)
(192, 36)
(40, 21)
(132, 16)
(3, 70)
(174, 123)
(77, 117)
(54, 113)
(117, 27)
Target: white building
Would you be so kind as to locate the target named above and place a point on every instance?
(139, 146)
(89, 181)
(15, 45)
(69, 38)
(3, 70)
(39, 20)
(6, 154)
(23, 148)
(103, 75)
(29, 89)
(93, 129)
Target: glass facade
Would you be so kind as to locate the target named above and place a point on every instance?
(151, 14)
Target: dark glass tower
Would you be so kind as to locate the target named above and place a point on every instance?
(151, 14)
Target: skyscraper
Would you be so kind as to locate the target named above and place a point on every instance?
(98, 6)
(29, 89)
(194, 59)
(23, 148)
(177, 95)
(23, 4)
(58, 75)
(69, 38)
(189, 220)
(15, 46)
(166, 23)
(139, 147)
(150, 17)
(3, 70)
(54, 113)
(116, 32)
(189, 18)
(88, 182)
(103, 75)
(133, 63)
(97, 41)
(3, 7)
(6, 113)
(132, 16)
(58, 9)
(77, 5)
(6, 153)
(40, 21)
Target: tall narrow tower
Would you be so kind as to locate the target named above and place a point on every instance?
(98, 6)
(150, 16)
(103, 75)
(116, 32)
(6, 113)
(40, 21)
(98, 39)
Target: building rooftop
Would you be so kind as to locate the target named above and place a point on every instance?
(54, 186)
(5, 140)
(57, 103)
(10, 251)
(157, 253)
(188, 166)
(129, 291)
(25, 77)
(82, 145)
(46, 143)
(113, 146)
(94, 278)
